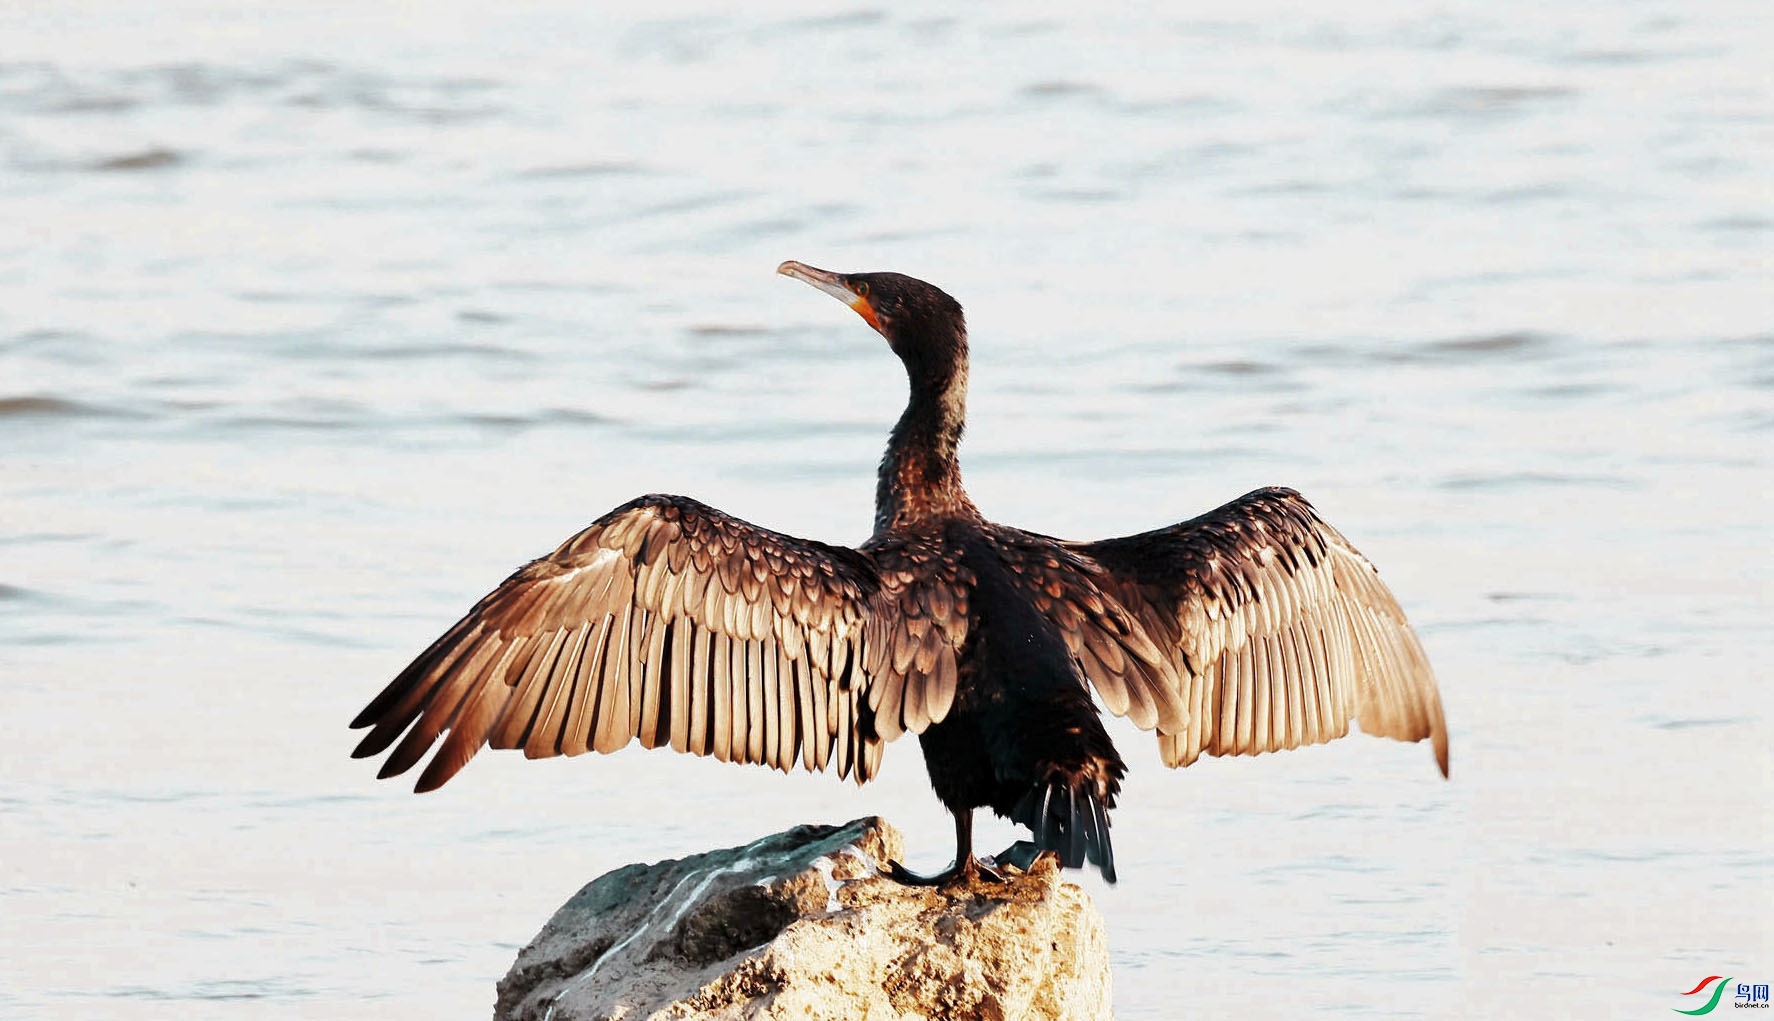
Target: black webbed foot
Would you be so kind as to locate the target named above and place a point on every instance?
(959, 875)
(906, 876)
(1021, 855)
(989, 873)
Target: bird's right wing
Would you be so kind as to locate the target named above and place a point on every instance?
(1283, 633)
(665, 620)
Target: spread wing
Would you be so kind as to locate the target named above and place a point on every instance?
(916, 626)
(1282, 633)
(665, 620)
(1133, 674)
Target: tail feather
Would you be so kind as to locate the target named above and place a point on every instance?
(1071, 821)
(1102, 851)
(1046, 833)
(1075, 831)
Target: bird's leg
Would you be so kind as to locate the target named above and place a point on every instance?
(965, 863)
(966, 869)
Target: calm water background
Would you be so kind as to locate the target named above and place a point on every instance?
(316, 320)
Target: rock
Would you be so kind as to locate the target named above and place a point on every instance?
(801, 924)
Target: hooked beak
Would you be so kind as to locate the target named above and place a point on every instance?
(832, 284)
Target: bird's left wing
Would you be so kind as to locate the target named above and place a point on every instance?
(1123, 659)
(1282, 632)
(664, 620)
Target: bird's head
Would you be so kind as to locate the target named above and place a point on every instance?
(922, 324)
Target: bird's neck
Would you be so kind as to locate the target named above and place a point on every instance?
(920, 478)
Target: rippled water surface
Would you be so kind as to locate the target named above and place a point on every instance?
(316, 319)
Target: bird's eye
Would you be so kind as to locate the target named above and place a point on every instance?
(861, 287)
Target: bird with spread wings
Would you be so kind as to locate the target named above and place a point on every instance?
(1254, 627)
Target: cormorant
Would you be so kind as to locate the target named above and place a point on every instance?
(1251, 628)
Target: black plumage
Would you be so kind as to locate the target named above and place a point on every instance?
(1251, 628)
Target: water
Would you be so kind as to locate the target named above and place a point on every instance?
(317, 319)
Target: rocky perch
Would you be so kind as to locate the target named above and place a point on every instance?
(801, 924)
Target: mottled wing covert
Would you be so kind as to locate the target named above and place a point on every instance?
(918, 624)
(1282, 632)
(665, 620)
(1132, 673)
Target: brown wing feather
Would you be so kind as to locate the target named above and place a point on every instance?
(917, 624)
(667, 621)
(1133, 674)
(1280, 631)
